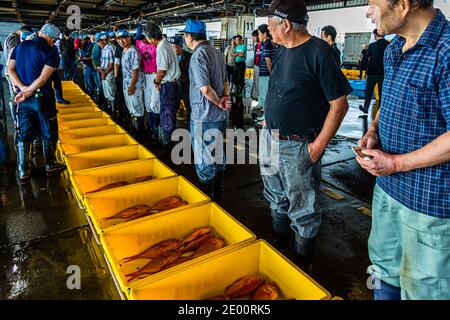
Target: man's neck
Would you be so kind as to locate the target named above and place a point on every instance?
(196, 43)
(417, 22)
(296, 39)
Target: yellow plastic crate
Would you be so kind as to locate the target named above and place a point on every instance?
(108, 203)
(90, 132)
(129, 240)
(82, 116)
(85, 181)
(85, 123)
(103, 157)
(76, 103)
(212, 276)
(64, 111)
(95, 143)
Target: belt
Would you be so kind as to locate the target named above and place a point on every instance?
(150, 72)
(173, 81)
(294, 137)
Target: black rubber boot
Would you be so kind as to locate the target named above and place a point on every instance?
(23, 161)
(206, 187)
(304, 251)
(52, 166)
(218, 185)
(281, 230)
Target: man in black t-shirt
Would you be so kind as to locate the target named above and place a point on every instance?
(304, 108)
(375, 69)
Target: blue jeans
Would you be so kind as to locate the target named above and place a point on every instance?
(68, 68)
(292, 188)
(206, 156)
(37, 117)
(409, 250)
(89, 79)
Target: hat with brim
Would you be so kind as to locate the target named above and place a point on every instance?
(122, 34)
(50, 30)
(292, 10)
(195, 26)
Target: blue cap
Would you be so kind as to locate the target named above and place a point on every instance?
(25, 35)
(195, 26)
(122, 33)
(86, 36)
(50, 30)
(101, 36)
(112, 34)
(176, 40)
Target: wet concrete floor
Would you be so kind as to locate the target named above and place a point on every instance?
(43, 233)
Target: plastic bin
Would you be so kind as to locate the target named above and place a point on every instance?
(103, 157)
(90, 132)
(85, 181)
(64, 111)
(210, 277)
(129, 240)
(95, 143)
(81, 116)
(76, 103)
(85, 123)
(108, 203)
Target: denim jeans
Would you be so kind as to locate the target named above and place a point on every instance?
(409, 250)
(37, 116)
(292, 188)
(89, 79)
(207, 164)
(263, 88)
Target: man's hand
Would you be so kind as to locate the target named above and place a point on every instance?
(131, 90)
(103, 74)
(22, 96)
(370, 140)
(224, 103)
(315, 152)
(382, 164)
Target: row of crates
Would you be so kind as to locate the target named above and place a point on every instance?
(98, 152)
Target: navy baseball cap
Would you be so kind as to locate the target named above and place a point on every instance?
(292, 10)
(122, 33)
(195, 26)
(176, 40)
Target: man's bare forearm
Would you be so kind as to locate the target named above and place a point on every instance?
(211, 95)
(160, 75)
(338, 110)
(134, 77)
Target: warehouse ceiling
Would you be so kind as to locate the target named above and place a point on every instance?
(103, 13)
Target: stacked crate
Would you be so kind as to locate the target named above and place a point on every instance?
(98, 152)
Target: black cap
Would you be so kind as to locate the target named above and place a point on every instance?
(293, 10)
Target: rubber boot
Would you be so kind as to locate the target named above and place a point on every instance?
(206, 187)
(281, 230)
(218, 185)
(52, 166)
(304, 251)
(59, 97)
(23, 161)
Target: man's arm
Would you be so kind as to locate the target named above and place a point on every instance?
(269, 64)
(338, 110)
(45, 75)
(211, 95)
(13, 74)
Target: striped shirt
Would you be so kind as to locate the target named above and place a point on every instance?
(11, 41)
(267, 51)
(415, 110)
(166, 59)
(107, 57)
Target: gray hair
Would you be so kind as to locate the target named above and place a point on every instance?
(295, 26)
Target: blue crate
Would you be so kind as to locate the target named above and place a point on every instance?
(358, 84)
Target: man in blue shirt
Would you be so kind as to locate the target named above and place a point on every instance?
(209, 90)
(408, 149)
(31, 66)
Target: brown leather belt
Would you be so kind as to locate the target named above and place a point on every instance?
(294, 137)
